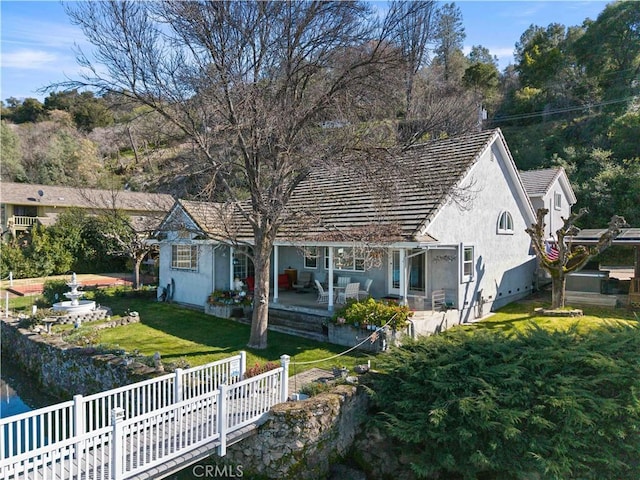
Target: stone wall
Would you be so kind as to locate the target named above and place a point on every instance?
(66, 370)
(303, 439)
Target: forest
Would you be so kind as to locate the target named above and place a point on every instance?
(571, 100)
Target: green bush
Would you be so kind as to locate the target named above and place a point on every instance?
(536, 404)
(373, 312)
(53, 291)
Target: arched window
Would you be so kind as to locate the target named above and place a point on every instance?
(505, 223)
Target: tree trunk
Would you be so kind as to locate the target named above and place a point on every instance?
(557, 290)
(260, 319)
(136, 272)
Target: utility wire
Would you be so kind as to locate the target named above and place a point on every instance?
(559, 110)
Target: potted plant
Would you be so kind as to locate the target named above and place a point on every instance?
(221, 303)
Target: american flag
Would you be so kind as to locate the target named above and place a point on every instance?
(551, 251)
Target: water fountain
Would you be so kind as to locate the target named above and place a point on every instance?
(74, 305)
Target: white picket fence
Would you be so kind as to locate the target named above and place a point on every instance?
(121, 433)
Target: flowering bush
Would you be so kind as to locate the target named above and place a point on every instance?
(373, 312)
(229, 297)
(258, 369)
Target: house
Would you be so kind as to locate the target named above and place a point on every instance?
(447, 221)
(22, 205)
(550, 188)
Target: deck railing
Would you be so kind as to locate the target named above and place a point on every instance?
(56, 423)
(132, 444)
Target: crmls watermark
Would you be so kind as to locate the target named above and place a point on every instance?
(217, 471)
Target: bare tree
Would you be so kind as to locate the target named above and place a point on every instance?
(250, 84)
(130, 235)
(559, 258)
(413, 31)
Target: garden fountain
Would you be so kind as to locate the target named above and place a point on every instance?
(74, 305)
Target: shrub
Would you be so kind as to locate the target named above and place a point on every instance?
(373, 312)
(315, 388)
(53, 291)
(537, 404)
(258, 369)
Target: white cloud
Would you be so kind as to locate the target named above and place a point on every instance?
(29, 59)
(504, 54)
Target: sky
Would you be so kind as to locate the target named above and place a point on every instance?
(37, 40)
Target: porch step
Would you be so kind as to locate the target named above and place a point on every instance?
(320, 337)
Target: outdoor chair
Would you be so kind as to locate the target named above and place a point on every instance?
(350, 291)
(343, 281)
(323, 297)
(364, 293)
(305, 280)
(438, 300)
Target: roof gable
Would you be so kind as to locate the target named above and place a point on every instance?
(538, 182)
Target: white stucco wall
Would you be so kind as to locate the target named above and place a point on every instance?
(192, 287)
(554, 217)
(504, 266)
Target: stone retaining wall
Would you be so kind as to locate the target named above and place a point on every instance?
(303, 439)
(66, 370)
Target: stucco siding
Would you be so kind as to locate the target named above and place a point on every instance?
(503, 264)
(555, 215)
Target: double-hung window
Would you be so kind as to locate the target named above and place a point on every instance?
(311, 257)
(184, 257)
(557, 200)
(467, 264)
(346, 258)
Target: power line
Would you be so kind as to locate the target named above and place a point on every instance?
(559, 110)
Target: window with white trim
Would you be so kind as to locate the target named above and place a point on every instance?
(467, 264)
(311, 257)
(184, 257)
(345, 258)
(242, 264)
(557, 200)
(505, 223)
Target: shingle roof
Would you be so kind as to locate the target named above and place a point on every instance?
(374, 201)
(398, 197)
(27, 194)
(538, 182)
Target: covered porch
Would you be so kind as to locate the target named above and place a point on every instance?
(426, 277)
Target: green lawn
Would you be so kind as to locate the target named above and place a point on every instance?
(520, 315)
(183, 334)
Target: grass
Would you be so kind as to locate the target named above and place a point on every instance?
(178, 333)
(520, 315)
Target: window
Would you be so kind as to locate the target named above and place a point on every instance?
(184, 257)
(505, 223)
(467, 264)
(345, 258)
(242, 264)
(557, 201)
(311, 257)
